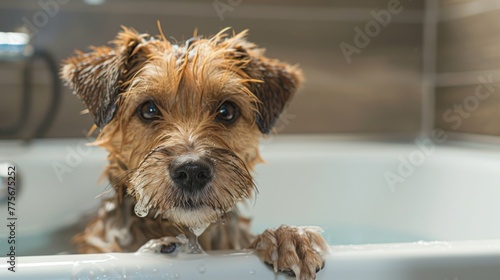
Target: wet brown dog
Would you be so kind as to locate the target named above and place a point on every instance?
(182, 125)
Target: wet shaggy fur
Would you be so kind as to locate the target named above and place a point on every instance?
(188, 84)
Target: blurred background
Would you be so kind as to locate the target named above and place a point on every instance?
(372, 67)
(375, 69)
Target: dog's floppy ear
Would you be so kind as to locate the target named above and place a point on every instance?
(278, 81)
(98, 77)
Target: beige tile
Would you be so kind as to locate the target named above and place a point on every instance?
(461, 109)
(379, 91)
(470, 43)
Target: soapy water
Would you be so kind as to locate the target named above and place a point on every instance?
(201, 269)
(346, 235)
(351, 234)
(141, 210)
(164, 245)
(172, 246)
(197, 230)
(338, 234)
(357, 235)
(155, 245)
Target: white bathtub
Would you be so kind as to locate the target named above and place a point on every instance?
(441, 222)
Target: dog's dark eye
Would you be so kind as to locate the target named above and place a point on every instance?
(227, 113)
(148, 111)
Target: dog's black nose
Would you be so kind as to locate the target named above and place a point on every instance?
(192, 175)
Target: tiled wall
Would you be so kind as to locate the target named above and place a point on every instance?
(468, 67)
(378, 91)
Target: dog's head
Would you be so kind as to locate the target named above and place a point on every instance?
(182, 122)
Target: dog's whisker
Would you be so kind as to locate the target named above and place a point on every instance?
(115, 180)
(108, 191)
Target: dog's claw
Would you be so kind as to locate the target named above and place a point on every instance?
(295, 251)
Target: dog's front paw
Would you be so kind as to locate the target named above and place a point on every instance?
(298, 251)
